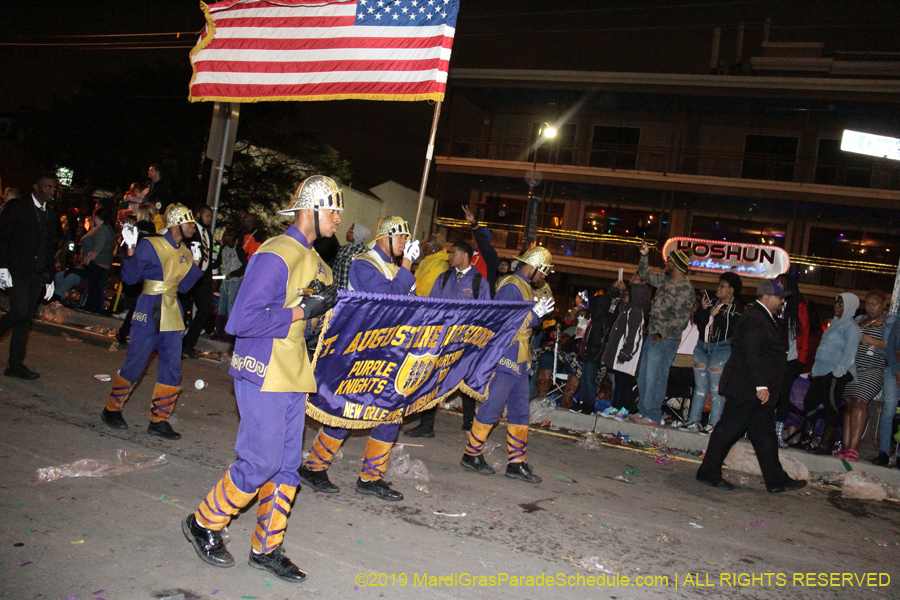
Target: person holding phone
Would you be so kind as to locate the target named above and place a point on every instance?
(668, 317)
(716, 322)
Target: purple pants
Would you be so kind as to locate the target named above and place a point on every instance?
(511, 390)
(269, 442)
(143, 342)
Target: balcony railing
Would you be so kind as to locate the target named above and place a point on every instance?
(811, 270)
(773, 167)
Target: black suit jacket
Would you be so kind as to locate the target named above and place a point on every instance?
(758, 357)
(28, 239)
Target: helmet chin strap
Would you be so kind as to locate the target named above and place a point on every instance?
(391, 246)
(316, 221)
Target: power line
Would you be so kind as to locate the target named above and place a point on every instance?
(661, 6)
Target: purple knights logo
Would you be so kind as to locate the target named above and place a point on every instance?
(183, 259)
(321, 269)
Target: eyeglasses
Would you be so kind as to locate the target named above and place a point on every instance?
(723, 285)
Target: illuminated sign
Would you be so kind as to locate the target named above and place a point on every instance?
(750, 260)
(870, 144)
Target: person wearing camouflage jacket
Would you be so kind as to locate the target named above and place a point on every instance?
(668, 318)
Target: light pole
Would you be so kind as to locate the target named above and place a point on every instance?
(546, 130)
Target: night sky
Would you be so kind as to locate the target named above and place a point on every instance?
(385, 140)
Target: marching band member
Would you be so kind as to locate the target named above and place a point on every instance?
(167, 267)
(272, 378)
(509, 385)
(373, 271)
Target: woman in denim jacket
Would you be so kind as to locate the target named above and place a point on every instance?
(834, 367)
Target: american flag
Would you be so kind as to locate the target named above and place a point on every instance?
(269, 50)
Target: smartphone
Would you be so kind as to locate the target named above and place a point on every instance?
(706, 296)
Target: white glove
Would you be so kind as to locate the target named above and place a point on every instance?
(196, 251)
(411, 251)
(5, 279)
(49, 288)
(129, 235)
(544, 306)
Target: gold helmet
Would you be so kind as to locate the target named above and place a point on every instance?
(391, 225)
(177, 214)
(316, 192)
(538, 257)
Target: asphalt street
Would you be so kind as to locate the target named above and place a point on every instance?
(119, 537)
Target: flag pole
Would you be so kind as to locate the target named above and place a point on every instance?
(428, 155)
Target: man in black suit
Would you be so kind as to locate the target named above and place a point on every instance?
(29, 231)
(750, 382)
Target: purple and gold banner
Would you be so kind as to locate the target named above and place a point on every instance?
(381, 358)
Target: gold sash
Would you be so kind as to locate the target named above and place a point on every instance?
(523, 337)
(176, 263)
(389, 270)
(289, 369)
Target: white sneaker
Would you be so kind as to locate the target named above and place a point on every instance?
(691, 426)
(622, 415)
(609, 413)
(706, 429)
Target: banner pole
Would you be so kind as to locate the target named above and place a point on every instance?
(428, 155)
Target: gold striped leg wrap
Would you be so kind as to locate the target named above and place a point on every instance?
(271, 516)
(121, 388)
(375, 460)
(516, 442)
(323, 450)
(223, 502)
(477, 437)
(163, 403)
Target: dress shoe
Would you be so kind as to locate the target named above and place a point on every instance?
(788, 486)
(276, 563)
(114, 419)
(318, 480)
(476, 463)
(21, 371)
(520, 470)
(163, 430)
(716, 483)
(378, 488)
(467, 426)
(420, 431)
(209, 544)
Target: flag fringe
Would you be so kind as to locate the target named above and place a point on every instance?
(436, 96)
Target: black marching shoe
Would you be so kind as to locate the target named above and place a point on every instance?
(21, 371)
(318, 480)
(163, 430)
(716, 483)
(520, 470)
(882, 460)
(209, 544)
(114, 419)
(276, 563)
(476, 463)
(420, 431)
(788, 486)
(378, 488)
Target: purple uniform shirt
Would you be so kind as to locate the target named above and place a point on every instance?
(259, 315)
(366, 277)
(461, 289)
(145, 264)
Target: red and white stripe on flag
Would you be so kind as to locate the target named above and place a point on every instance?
(269, 50)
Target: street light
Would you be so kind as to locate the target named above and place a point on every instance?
(546, 130)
